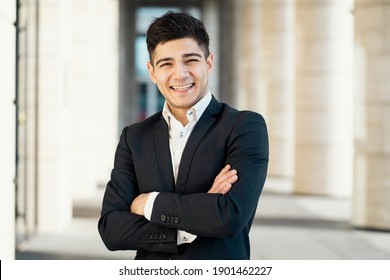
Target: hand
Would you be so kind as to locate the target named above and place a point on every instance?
(224, 180)
(138, 204)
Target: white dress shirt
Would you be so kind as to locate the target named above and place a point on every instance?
(178, 137)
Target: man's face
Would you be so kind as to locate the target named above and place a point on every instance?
(180, 70)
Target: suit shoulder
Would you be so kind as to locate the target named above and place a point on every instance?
(241, 116)
(143, 126)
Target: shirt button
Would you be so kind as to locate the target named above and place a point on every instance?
(181, 134)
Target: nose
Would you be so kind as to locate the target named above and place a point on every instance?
(180, 71)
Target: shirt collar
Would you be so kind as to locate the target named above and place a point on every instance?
(197, 110)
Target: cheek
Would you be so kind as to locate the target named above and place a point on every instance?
(161, 89)
(162, 78)
(202, 76)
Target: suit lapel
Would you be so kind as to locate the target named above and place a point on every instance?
(161, 137)
(204, 124)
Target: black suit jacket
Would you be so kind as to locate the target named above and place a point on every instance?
(143, 164)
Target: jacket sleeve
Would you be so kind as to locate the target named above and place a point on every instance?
(216, 215)
(118, 227)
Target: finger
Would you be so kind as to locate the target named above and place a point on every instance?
(223, 172)
(224, 176)
(220, 178)
(226, 188)
(225, 185)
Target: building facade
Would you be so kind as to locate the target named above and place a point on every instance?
(73, 75)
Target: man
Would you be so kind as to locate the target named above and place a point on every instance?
(187, 180)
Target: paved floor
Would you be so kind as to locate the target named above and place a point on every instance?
(286, 227)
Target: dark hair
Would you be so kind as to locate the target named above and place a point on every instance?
(175, 25)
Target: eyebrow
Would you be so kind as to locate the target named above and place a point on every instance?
(192, 54)
(184, 55)
(163, 59)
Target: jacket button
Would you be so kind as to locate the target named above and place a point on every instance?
(176, 221)
(164, 236)
(172, 219)
(163, 218)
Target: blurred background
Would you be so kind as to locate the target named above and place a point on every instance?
(73, 74)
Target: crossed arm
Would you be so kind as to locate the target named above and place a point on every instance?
(222, 185)
(223, 211)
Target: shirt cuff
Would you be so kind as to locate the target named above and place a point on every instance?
(185, 237)
(149, 205)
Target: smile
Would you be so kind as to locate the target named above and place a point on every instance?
(183, 87)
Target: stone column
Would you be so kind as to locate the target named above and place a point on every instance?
(82, 95)
(7, 128)
(371, 201)
(128, 100)
(279, 29)
(210, 17)
(54, 191)
(107, 107)
(27, 135)
(250, 83)
(324, 113)
(92, 93)
(227, 57)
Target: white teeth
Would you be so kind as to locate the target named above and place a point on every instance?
(182, 87)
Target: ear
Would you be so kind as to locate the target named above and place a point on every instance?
(151, 72)
(210, 62)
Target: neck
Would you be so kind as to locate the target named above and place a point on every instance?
(180, 115)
